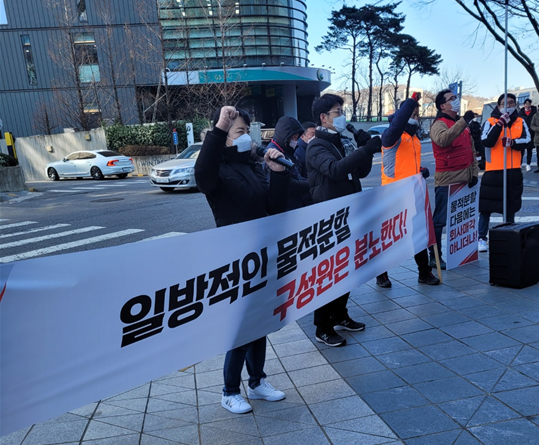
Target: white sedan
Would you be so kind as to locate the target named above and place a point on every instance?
(90, 164)
(178, 172)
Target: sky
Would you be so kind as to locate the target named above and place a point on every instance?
(3, 19)
(443, 27)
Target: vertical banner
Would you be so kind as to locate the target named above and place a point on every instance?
(462, 230)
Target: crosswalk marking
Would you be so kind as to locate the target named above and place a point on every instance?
(24, 223)
(27, 232)
(65, 246)
(164, 235)
(64, 191)
(38, 239)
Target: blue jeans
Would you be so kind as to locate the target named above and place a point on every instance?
(484, 220)
(440, 216)
(254, 355)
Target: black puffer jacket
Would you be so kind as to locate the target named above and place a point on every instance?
(331, 174)
(528, 119)
(235, 186)
(491, 190)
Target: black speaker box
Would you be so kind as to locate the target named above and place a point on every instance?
(514, 255)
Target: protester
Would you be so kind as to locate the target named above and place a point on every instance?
(454, 154)
(401, 158)
(535, 127)
(491, 191)
(285, 139)
(527, 113)
(237, 190)
(301, 149)
(331, 175)
(475, 129)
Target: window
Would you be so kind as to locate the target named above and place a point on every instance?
(86, 57)
(29, 60)
(81, 11)
(73, 157)
(3, 17)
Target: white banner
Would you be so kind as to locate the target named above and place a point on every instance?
(80, 327)
(462, 233)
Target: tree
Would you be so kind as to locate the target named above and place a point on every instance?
(363, 31)
(524, 19)
(416, 59)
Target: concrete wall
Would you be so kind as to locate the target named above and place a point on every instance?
(33, 154)
(3, 147)
(143, 164)
(11, 179)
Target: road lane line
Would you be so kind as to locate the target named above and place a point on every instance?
(24, 223)
(38, 239)
(164, 235)
(41, 229)
(52, 249)
(85, 188)
(64, 191)
(518, 219)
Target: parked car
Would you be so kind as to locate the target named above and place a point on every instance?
(377, 129)
(90, 164)
(178, 172)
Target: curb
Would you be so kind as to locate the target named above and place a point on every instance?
(136, 175)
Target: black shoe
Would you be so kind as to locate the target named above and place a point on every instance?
(428, 278)
(349, 325)
(536, 171)
(330, 338)
(432, 263)
(383, 280)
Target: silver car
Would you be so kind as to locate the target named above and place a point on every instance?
(178, 173)
(94, 164)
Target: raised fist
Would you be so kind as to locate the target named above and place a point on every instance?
(503, 119)
(226, 118)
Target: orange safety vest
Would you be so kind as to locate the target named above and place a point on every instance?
(514, 157)
(402, 160)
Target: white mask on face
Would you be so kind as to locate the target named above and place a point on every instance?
(243, 143)
(293, 144)
(310, 140)
(455, 105)
(339, 123)
(413, 121)
(511, 110)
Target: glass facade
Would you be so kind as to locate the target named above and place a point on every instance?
(86, 57)
(210, 34)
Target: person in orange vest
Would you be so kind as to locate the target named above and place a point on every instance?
(401, 158)
(454, 153)
(517, 139)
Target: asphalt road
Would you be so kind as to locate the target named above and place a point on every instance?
(74, 215)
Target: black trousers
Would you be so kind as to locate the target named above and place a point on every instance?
(422, 261)
(331, 313)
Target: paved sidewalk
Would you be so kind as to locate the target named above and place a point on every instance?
(450, 364)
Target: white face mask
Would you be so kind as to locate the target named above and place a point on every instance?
(455, 105)
(310, 140)
(339, 123)
(243, 143)
(413, 121)
(293, 144)
(511, 110)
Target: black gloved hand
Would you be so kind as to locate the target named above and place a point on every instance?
(374, 145)
(361, 137)
(473, 181)
(425, 172)
(469, 116)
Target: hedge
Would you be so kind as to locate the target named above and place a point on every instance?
(144, 150)
(119, 136)
(8, 161)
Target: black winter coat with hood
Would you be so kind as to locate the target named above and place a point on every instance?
(285, 128)
(528, 119)
(331, 174)
(235, 186)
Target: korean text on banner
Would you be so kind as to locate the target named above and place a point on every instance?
(462, 234)
(69, 338)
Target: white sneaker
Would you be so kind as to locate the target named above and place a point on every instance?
(265, 391)
(235, 404)
(483, 246)
(528, 167)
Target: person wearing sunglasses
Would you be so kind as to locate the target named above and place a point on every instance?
(454, 153)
